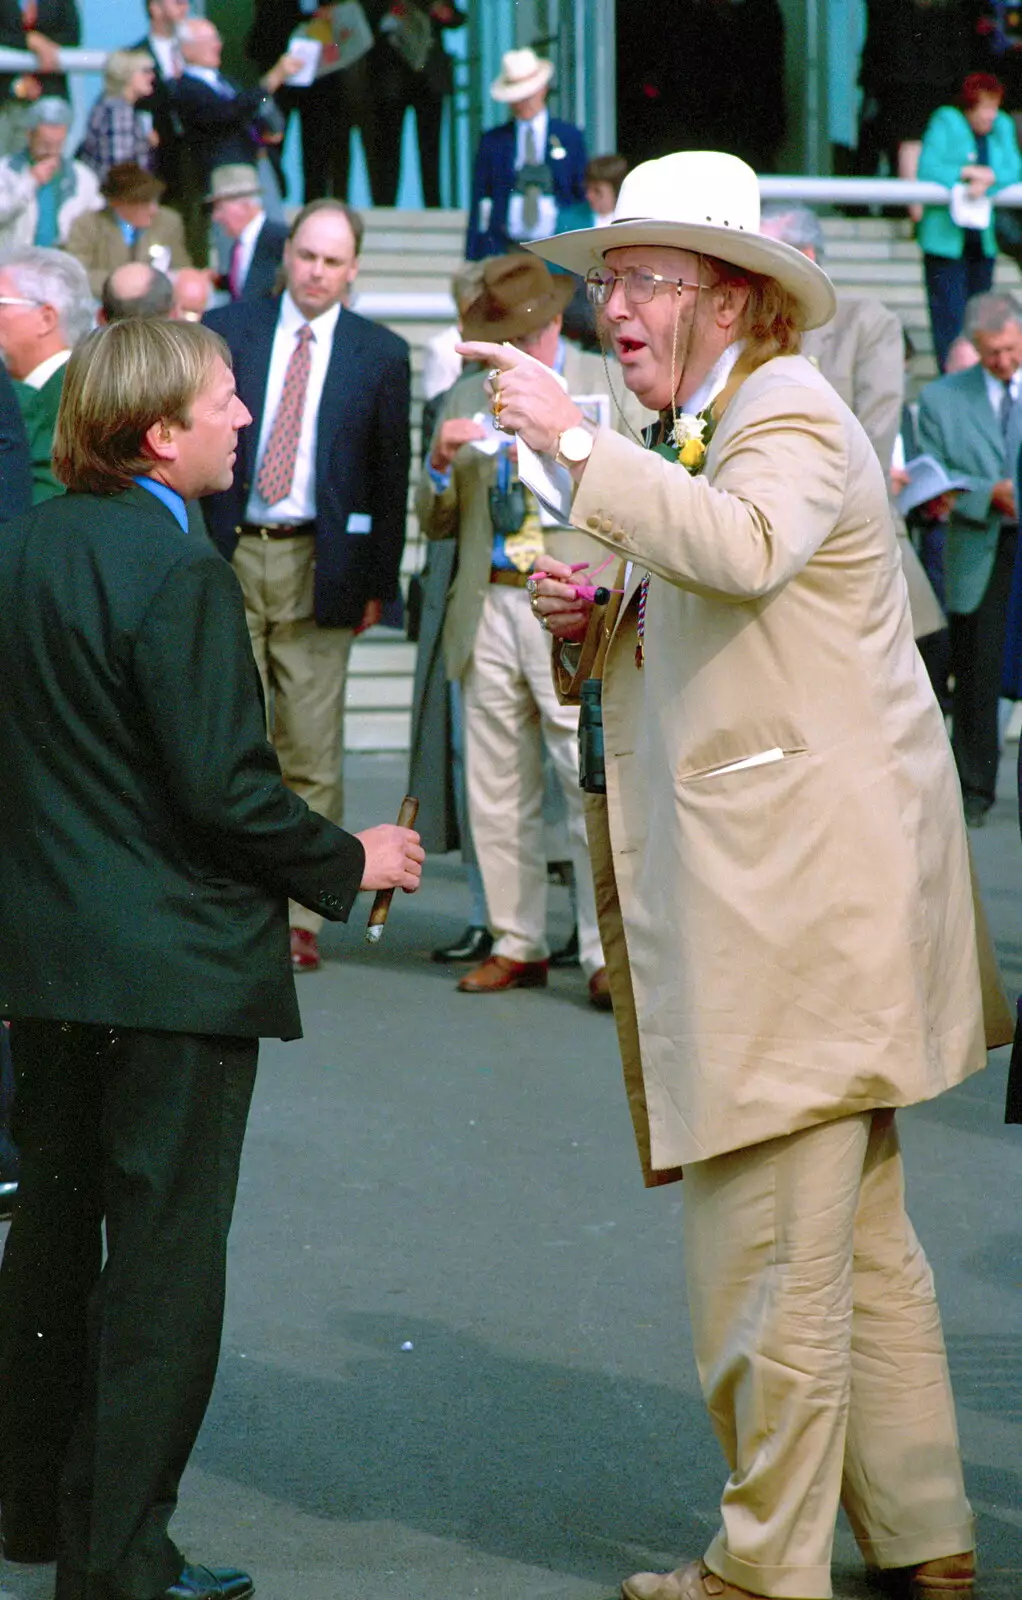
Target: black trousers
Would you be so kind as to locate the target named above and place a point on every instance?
(106, 1368)
(976, 648)
(328, 110)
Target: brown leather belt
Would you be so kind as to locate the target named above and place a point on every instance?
(516, 580)
(280, 530)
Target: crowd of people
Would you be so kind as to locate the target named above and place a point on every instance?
(745, 581)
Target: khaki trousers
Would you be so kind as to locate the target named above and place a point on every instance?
(304, 671)
(511, 711)
(821, 1358)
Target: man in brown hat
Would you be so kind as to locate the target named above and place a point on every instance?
(470, 492)
(257, 243)
(132, 226)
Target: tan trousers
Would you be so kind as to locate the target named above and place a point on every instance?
(511, 711)
(821, 1357)
(304, 671)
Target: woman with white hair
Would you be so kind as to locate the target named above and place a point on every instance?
(116, 130)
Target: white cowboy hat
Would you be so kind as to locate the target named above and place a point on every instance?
(706, 202)
(522, 72)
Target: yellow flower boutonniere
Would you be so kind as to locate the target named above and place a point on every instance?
(688, 441)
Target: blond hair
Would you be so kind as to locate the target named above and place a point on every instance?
(120, 381)
(772, 319)
(121, 66)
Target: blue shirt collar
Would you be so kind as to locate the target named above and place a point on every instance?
(170, 497)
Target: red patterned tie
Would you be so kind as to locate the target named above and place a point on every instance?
(277, 468)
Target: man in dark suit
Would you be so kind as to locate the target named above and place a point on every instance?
(257, 242)
(315, 519)
(160, 42)
(529, 174)
(222, 122)
(149, 825)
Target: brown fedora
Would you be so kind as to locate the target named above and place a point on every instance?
(129, 184)
(518, 296)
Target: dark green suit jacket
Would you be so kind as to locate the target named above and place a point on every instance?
(147, 842)
(39, 409)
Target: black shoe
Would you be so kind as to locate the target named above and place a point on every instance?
(475, 944)
(567, 955)
(976, 808)
(210, 1583)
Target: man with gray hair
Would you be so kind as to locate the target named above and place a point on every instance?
(964, 420)
(45, 308)
(41, 190)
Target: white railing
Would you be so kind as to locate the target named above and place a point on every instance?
(870, 192)
(69, 60)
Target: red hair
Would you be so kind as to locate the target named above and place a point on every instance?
(980, 86)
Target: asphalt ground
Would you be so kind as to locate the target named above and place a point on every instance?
(456, 1360)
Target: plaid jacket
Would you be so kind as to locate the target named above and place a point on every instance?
(115, 132)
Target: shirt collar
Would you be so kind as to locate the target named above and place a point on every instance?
(204, 74)
(250, 232)
(715, 380)
(41, 375)
(170, 497)
(291, 319)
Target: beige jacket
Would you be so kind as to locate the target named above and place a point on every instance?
(861, 352)
(795, 940)
(97, 242)
(462, 511)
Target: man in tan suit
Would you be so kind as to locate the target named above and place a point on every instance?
(132, 226)
(783, 876)
(861, 351)
(470, 491)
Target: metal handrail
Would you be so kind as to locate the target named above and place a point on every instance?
(870, 191)
(69, 60)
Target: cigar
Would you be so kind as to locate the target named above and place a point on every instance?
(381, 905)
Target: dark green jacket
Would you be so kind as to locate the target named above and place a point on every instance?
(39, 408)
(147, 843)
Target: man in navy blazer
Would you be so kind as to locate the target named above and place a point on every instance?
(314, 523)
(529, 175)
(256, 252)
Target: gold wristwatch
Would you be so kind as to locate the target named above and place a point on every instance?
(574, 446)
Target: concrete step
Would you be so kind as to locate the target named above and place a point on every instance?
(377, 730)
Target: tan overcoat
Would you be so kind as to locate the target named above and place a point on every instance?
(796, 940)
(97, 242)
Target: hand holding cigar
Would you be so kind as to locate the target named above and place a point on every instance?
(394, 860)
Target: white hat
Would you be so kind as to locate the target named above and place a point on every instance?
(522, 72)
(927, 479)
(706, 202)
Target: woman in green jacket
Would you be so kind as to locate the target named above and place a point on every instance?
(971, 148)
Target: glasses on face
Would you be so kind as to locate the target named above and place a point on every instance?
(640, 284)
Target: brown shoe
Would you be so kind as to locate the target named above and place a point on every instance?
(599, 991)
(946, 1576)
(304, 950)
(694, 1582)
(499, 972)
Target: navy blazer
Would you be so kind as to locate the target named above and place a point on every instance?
(493, 179)
(261, 278)
(362, 455)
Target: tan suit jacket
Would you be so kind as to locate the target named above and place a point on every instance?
(791, 941)
(97, 242)
(462, 511)
(860, 351)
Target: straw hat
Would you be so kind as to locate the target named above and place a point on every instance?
(235, 182)
(522, 72)
(518, 296)
(706, 202)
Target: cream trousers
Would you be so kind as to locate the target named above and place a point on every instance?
(304, 671)
(511, 711)
(821, 1358)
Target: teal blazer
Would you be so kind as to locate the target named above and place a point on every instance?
(958, 426)
(949, 144)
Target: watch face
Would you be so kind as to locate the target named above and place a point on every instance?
(576, 444)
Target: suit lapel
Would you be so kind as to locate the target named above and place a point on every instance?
(983, 412)
(252, 370)
(341, 386)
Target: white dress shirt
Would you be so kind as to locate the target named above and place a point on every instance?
(246, 248)
(168, 55)
(547, 221)
(995, 388)
(300, 503)
(42, 374)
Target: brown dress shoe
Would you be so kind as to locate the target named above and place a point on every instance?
(304, 950)
(499, 972)
(946, 1576)
(694, 1582)
(599, 991)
